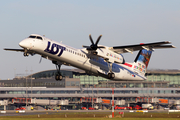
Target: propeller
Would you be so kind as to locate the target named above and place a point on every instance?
(40, 60)
(93, 46)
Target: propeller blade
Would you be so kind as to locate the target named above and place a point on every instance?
(93, 46)
(40, 60)
(100, 47)
(98, 39)
(85, 46)
(89, 48)
(91, 39)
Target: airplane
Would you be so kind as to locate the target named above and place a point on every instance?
(98, 60)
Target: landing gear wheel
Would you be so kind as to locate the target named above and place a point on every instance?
(26, 54)
(58, 77)
(111, 75)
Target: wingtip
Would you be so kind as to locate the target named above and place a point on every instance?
(173, 46)
(167, 41)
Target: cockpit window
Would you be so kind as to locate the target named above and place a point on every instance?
(32, 36)
(37, 37)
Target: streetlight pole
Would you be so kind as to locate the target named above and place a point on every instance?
(92, 90)
(31, 82)
(26, 87)
(14, 72)
(112, 102)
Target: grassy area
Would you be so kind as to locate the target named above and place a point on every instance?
(94, 116)
(89, 118)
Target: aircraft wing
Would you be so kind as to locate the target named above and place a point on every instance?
(17, 50)
(148, 46)
(20, 50)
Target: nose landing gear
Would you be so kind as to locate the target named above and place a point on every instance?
(26, 54)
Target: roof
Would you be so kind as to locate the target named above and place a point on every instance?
(71, 72)
(36, 35)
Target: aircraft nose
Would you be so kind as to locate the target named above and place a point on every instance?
(23, 44)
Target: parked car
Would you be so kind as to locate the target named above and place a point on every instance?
(119, 108)
(116, 107)
(166, 108)
(137, 107)
(128, 108)
(83, 108)
(20, 108)
(90, 108)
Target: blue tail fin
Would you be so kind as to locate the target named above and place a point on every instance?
(142, 60)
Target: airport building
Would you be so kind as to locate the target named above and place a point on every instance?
(79, 89)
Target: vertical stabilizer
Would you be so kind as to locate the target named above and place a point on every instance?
(142, 60)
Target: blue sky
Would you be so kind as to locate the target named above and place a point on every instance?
(121, 22)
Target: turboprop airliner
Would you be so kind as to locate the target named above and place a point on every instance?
(98, 60)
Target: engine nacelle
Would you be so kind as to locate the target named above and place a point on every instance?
(110, 56)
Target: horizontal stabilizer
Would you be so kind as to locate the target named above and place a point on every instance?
(148, 46)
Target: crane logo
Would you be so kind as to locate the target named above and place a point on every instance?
(54, 49)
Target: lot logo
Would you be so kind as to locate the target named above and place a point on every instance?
(54, 49)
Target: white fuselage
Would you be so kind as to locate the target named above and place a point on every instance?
(80, 58)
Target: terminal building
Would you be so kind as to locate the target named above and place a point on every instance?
(79, 89)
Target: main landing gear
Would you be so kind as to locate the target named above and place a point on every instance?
(111, 75)
(58, 75)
